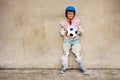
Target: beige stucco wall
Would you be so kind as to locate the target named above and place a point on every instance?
(29, 33)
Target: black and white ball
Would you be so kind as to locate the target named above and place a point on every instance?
(72, 32)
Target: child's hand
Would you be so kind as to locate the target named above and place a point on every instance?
(66, 32)
(80, 33)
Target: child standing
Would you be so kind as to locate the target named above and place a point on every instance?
(71, 43)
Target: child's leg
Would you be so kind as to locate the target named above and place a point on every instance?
(66, 48)
(76, 48)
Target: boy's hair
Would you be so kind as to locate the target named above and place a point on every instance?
(71, 9)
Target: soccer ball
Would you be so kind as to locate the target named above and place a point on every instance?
(72, 32)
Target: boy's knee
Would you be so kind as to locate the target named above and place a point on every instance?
(78, 57)
(65, 55)
(66, 47)
(76, 48)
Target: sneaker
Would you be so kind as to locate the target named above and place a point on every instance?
(62, 70)
(83, 71)
(82, 68)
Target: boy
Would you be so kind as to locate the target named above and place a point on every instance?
(69, 43)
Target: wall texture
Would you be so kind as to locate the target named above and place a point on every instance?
(29, 33)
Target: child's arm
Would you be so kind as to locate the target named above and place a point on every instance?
(80, 29)
(63, 32)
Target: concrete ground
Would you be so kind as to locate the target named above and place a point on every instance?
(53, 74)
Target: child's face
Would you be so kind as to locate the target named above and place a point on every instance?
(70, 14)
